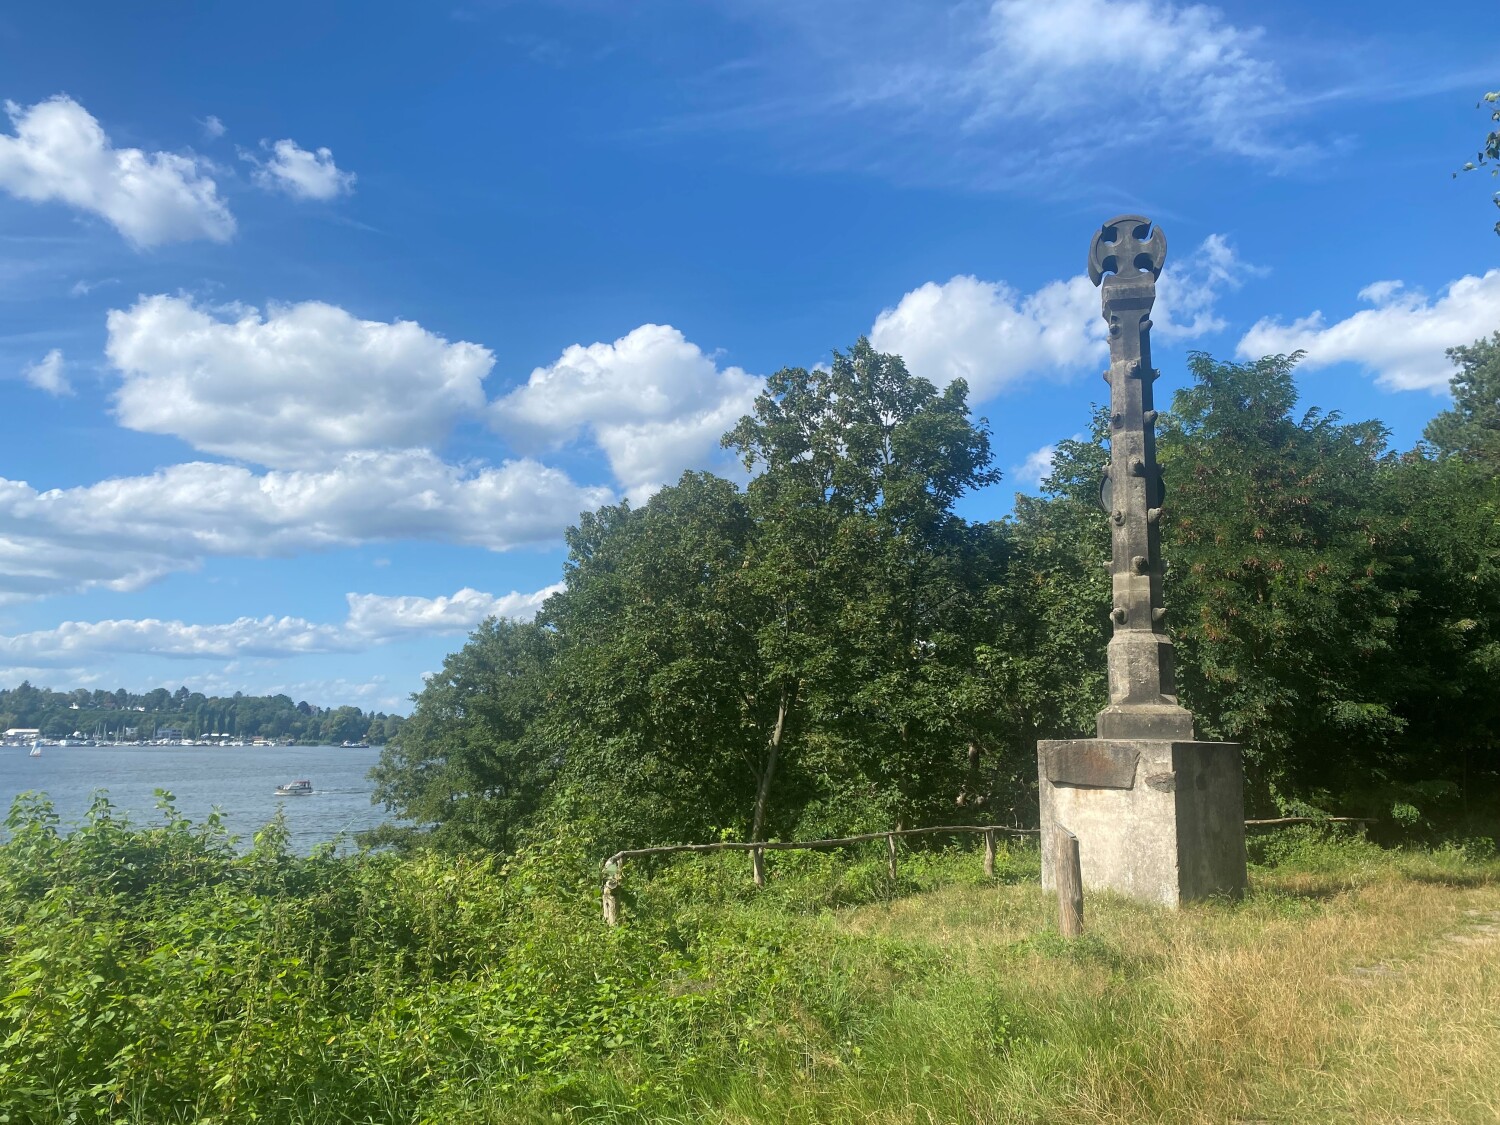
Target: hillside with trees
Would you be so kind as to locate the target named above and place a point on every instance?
(831, 648)
(131, 716)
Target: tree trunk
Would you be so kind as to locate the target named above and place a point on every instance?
(968, 795)
(763, 790)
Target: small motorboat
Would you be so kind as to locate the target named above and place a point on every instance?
(302, 788)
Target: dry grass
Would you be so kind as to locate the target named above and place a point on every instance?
(1353, 985)
(1367, 993)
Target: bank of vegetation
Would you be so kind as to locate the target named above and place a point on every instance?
(157, 974)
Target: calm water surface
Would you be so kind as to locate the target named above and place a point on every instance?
(239, 780)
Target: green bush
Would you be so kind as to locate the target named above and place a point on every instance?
(152, 973)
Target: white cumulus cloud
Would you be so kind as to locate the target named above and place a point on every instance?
(302, 174)
(652, 401)
(1400, 339)
(993, 336)
(296, 385)
(47, 374)
(1036, 467)
(124, 533)
(372, 620)
(60, 153)
(375, 615)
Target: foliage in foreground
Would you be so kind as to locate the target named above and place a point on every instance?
(154, 975)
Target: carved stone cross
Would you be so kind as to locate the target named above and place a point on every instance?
(1123, 242)
(1125, 259)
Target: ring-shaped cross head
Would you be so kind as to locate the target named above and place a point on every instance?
(1126, 246)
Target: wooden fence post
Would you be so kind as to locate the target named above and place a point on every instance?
(989, 853)
(1069, 876)
(612, 876)
(890, 847)
(758, 866)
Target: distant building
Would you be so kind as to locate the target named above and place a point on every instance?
(17, 735)
(169, 732)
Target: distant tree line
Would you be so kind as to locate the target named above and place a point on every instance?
(129, 715)
(832, 648)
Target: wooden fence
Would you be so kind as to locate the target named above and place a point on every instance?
(1069, 874)
(615, 864)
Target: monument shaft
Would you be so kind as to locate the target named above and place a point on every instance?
(1156, 814)
(1142, 690)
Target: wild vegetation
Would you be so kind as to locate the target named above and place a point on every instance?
(131, 715)
(157, 975)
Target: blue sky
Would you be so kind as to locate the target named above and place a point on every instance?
(320, 323)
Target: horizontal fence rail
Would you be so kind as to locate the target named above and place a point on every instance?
(613, 867)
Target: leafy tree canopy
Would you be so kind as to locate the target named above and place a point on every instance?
(1470, 429)
(1489, 148)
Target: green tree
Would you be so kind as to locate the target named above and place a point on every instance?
(868, 572)
(1470, 428)
(659, 682)
(1448, 767)
(1046, 662)
(1280, 547)
(800, 653)
(470, 762)
(1489, 148)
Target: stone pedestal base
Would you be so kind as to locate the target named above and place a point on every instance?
(1158, 820)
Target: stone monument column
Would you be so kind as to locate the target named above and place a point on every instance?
(1158, 815)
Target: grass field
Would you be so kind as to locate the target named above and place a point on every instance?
(1360, 992)
(154, 976)
(1353, 985)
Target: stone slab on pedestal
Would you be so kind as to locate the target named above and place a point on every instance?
(1158, 820)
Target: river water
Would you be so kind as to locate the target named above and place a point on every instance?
(239, 780)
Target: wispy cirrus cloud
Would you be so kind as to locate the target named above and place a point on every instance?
(1008, 93)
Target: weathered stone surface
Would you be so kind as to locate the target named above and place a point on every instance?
(1125, 258)
(1176, 836)
(1158, 815)
(1091, 762)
